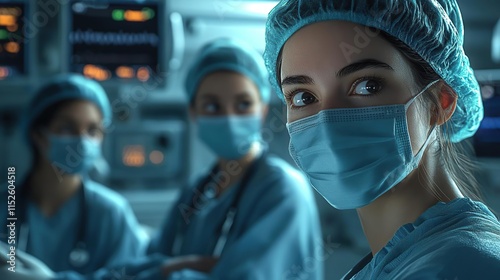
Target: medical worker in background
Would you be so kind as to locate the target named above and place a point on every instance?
(64, 219)
(253, 216)
(379, 95)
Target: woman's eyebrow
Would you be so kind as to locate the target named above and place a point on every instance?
(242, 95)
(299, 79)
(66, 118)
(362, 64)
(347, 70)
(209, 96)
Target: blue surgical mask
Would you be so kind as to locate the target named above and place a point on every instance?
(229, 137)
(73, 154)
(353, 156)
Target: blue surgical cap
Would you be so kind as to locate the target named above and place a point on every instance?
(432, 28)
(66, 87)
(228, 55)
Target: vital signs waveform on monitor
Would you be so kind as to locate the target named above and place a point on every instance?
(115, 40)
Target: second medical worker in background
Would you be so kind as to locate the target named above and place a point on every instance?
(253, 216)
(65, 219)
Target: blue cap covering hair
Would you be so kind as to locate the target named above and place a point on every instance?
(228, 55)
(66, 87)
(432, 28)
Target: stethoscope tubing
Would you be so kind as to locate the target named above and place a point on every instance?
(226, 225)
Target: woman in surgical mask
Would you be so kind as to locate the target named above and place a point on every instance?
(379, 93)
(252, 216)
(65, 219)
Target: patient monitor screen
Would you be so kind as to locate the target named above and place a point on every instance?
(12, 50)
(487, 137)
(114, 41)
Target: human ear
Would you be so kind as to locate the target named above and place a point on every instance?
(265, 111)
(445, 106)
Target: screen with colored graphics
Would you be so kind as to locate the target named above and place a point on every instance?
(12, 40)
(487, 137)
(117, 40)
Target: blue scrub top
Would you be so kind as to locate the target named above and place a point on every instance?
(455, 240)
(276, 233)
(112, 233)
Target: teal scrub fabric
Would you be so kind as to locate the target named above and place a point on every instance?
(276, 233)
(456, 240)
(112, 233)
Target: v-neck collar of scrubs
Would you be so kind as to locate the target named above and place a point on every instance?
(440, 209)
(46, 234)
(71, 205)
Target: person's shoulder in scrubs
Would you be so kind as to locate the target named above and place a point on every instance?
(118, 234)
(276, 234)
(457, 240)
(112, 234)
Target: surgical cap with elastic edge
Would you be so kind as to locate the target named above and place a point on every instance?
(432, 28)
(226, 54)
(66, 87)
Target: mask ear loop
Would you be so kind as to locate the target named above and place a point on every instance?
(407, 105)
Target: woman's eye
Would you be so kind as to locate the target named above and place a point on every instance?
(95, 132)
(211, 107)
(368, 86)
(302, 98)
(244, 106)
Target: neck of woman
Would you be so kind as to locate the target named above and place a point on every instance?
(49, 188)
(230, 171)
(404, 203)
